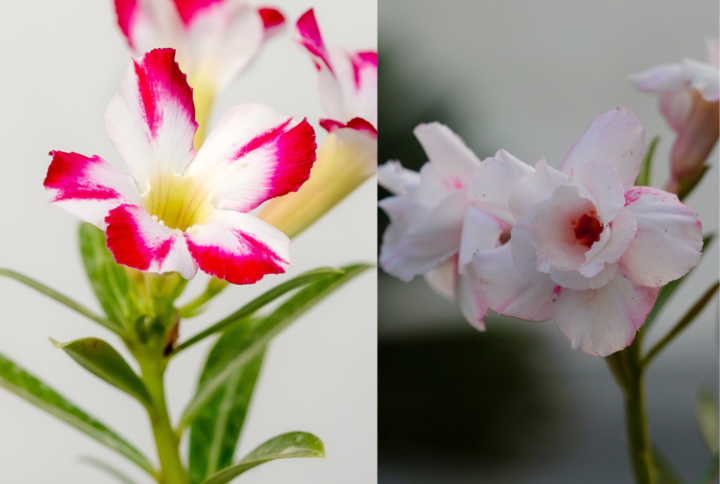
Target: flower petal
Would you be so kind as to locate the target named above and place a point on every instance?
(493, 181)
(238, 247)
(307, 34)
(675, 107)
(662, 78)
(356, 74)
(602, 180)
(254, 154)
(447, 151)
(137, 241)
(622, 231)
(88, 187)
(273, 20)
(616, 137)
(220, 39)
(395, 179)
(471, 298)
(442, 278)
(480, 231)
(151, 120)
(537, 186)
(703, 77)
(148, 24)
(357, 124)
(509, 293)
(603, 321)
(668, 240)
(425, 245)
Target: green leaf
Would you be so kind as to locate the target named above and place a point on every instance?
(109, 280)
(668, 289)
(267, 328)
(101, 359)
(286, 446)
(107, 468)
(684, 322)
(26, 386)
(261, 301)
(687, 185)
(663, 469)
(706, 415)
(216, 429)
(62, 299)
(643, 178)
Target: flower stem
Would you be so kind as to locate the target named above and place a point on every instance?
(637, 426)
(166, 440)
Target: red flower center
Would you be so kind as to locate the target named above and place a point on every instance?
(588, 229)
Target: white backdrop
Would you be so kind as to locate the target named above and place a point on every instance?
(62, 62)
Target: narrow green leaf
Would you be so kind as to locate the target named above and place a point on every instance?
(287, 446)
(26, 386)
(706, 415)
(62, 299)
(266, 329)
(668, 289)
(101, 359)
(687, 185)
(688, 318)
(109, 280)
(216, 429)
(107, 468)
(199, 304)
(664, 471)
(643, 178)
(261, 301)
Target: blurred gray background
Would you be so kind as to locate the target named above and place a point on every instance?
(62, 62)
(516, 404)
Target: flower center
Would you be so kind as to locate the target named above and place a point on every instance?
(176, 201)
(587, 229)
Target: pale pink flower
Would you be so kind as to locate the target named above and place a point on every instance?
(215, 39)
(433, 229)
(689, 95)
(587, 247)
(179, 210)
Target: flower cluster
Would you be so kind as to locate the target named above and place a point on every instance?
(580, 244)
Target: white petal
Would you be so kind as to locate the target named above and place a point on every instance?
(601, 179)
(447, 151)
(668, 240)
(442, 278)
(577, 281)
(703, 77)
(394, 178)
(471, 298)
(480, 231)
(493, 182)
(675, 107)
(662, 78)
(616, 137)
(508, 293)
(603, 321)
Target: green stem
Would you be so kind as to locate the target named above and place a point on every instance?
(637, 425)
(166, 440)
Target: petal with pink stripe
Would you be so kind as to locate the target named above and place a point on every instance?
(668, 239)
(151, 120)
(88, 187)
(138, 241)
(254, 154)
(238, 247)
(603, 321)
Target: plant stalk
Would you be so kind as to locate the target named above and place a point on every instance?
(166, 440)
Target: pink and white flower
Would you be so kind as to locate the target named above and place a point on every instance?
(433, 229)
(587, 247)
(689, 93)
(179, 210)
(347, 80)
(215, 39)
(348, 156)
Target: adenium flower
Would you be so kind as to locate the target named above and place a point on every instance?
(215, 39)
(433, 229)
(178, 209)
(348, 156)
(587, 247)
(689, 94)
